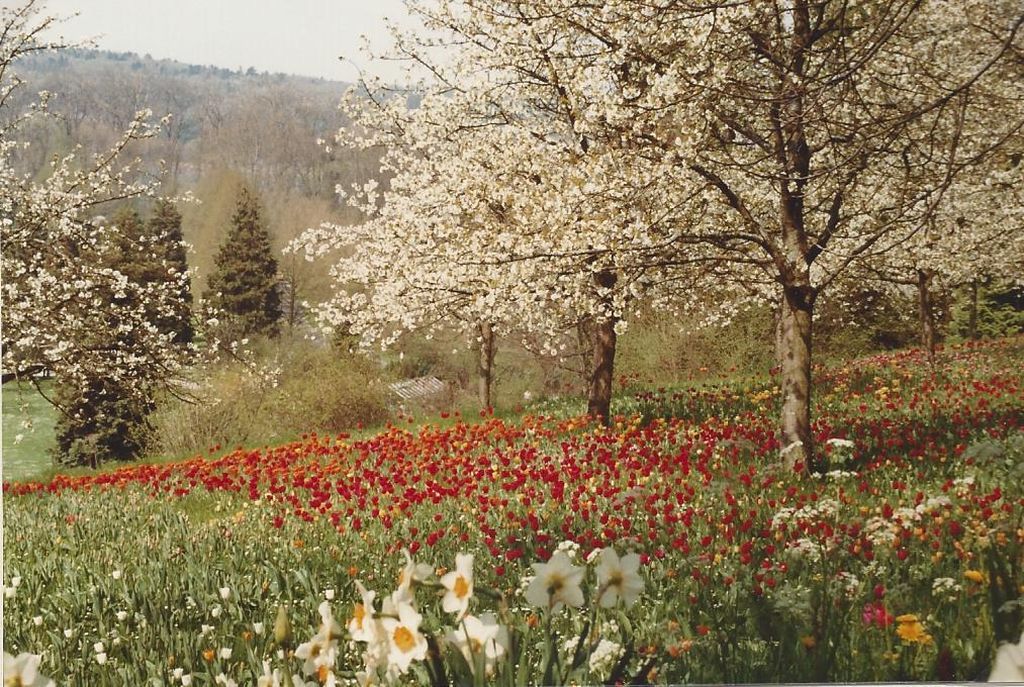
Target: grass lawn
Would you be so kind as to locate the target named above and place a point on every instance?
(28, 457)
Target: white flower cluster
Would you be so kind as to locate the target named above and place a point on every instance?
(805, 549)
(879, 532)
(569, 548)
(387, 631)
(946, 588)
(603, 654)
(848, 584)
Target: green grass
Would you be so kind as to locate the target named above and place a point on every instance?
(28, 457)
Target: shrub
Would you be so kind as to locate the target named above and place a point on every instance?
(289, 390)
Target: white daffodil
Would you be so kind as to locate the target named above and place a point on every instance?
(480, 639)
(23, 670)
(225, 593)
(269, 678)
(361, 625)
(459, 586)
(405, 642)
(618, 578)
(276, 678)
(556, 582)
(1008, 666)
(321, 652)
(411, 572)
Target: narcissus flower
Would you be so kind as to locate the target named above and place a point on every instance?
(322, 650)
(618, 578)
(23, 670)
(411, 572)
(459, 586)
(405, 642)
(361, 625)
(556, 582)
(480, 639)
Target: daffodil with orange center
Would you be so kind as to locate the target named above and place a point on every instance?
(618, 578)
(482, 641)
(410, 573)
(361, 625)
(556, 583)
(405, 642)
(459, 586)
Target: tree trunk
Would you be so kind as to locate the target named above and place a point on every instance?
(485, 365)
(972, 312)
(927, 317)
(780, 350)
(599, 402)
(795, 325)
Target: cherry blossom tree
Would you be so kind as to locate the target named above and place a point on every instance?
(498, 216)
(976, 233)
(828, 131)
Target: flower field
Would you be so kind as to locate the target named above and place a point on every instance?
(666, 548)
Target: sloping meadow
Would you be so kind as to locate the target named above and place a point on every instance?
(904, 561)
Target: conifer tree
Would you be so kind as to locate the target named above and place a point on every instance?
(244, 284)
(101, 420)
(170, 262)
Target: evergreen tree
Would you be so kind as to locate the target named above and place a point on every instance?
(103, 419)
(171, 262)
(100, 423)
(244, 284)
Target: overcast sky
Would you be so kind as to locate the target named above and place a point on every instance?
(293, 36)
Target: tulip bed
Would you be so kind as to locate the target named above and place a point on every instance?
(904, 562)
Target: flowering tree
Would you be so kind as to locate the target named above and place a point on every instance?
(976, 233)
(499, 215)
(774, 145)
(67, 308)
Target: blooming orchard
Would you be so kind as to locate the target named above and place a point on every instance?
(568, 159)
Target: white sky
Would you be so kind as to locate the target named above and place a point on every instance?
(303, 37)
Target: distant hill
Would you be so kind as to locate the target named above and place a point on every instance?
(265, 126)
(227, 128)
(81, 58)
